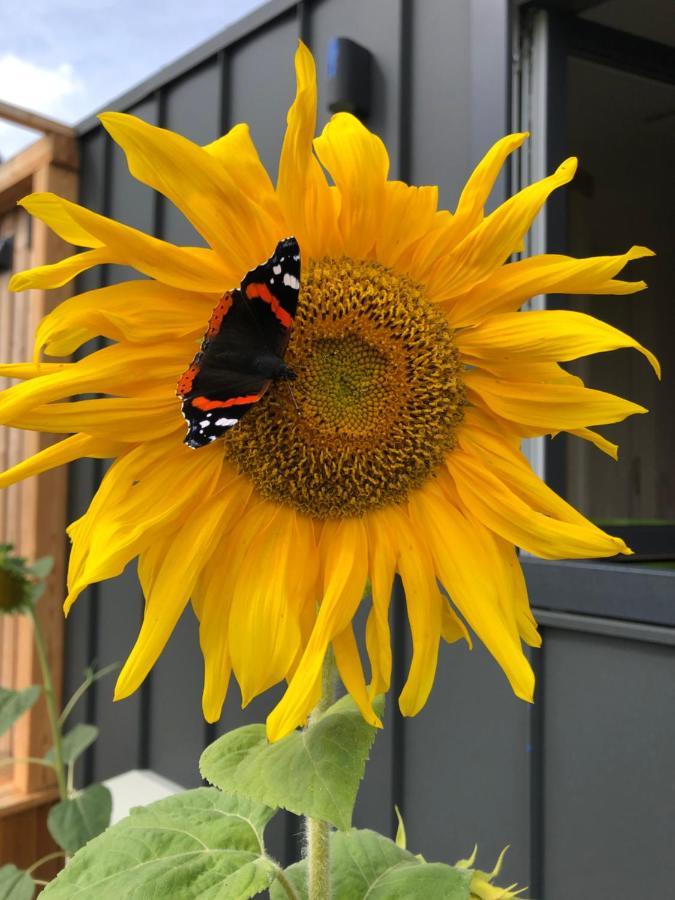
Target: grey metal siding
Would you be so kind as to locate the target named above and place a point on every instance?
(571, 783)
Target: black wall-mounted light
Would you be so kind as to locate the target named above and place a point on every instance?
(6, 253)
(349, 77)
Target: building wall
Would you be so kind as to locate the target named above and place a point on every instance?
(565, 783)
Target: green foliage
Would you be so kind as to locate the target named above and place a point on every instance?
(41, 568)
(15, 884)
(91, 676)
(80, 818)
(74, 743)
(18, 589)
(315, 772)
(366, 864)
(199, 843)
(14, 704)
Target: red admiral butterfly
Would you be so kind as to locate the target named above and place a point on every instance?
(243, 349)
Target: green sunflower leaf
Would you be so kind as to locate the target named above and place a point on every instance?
(42, 567)
(315, 772)
(80, 818)
(14, 704)
(15, 884)
(198, 843)
(366, 864)
(74, 743)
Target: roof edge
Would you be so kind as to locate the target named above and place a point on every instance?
(240, 29)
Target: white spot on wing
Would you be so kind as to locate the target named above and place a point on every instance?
(277, 270)
(205, 423)
(225, 423)
(291, 281)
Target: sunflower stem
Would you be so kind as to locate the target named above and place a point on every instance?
(317, 832)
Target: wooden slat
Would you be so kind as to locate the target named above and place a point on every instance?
(16, 175)
(26, 118)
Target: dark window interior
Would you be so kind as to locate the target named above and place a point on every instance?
(622, 128)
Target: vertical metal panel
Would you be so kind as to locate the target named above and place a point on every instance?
(440, 114)
(262, 85)
(610, 797)
(466, 766)
(376, 26)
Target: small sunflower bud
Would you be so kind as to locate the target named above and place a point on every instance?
(482, 887)
(15, 585)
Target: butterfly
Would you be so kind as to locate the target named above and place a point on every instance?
(243, 349)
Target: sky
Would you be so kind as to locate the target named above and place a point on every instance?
(67, 58)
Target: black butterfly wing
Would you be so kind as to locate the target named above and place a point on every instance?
(272, 292)
(222, 382)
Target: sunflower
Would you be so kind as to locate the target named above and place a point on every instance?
(397, 449)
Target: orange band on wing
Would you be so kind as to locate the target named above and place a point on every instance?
(203, 403)
(264, 293)
(221, 310)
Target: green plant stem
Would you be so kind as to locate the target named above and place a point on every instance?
(50, 700)
(44, 859)
(90, 679)
(286, 885)
(317, 832)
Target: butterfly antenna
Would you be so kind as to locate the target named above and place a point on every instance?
(295, 403)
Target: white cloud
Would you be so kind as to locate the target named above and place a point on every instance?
(56, 89)
(69, 58)
(29, 84)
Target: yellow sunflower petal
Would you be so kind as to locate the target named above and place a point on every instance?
(450, 229)
(495, 239)
(407, 217)
(461, 562)
(511, 285)
(57, 274)
(237, 152)
(587, 434)
(59, 218)
(212, 601)
(469, 212)
(66, 451)
(121, 420)
(132, 507)
(553, 407)
(264, 618)
(492, 502)
(358, 163)
(168, 571)
(137, 311)
(348, 662)
(307, 200)
(216, 195)
(344, 562)
(514, 470)
(25, 371)
(452, 627)
(382, 567)
(423, 602)
(191, 268)
(117, 369)
(543, 335)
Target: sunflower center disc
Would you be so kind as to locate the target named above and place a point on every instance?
(377, 400)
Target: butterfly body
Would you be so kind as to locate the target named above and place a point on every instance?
(243, 349)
